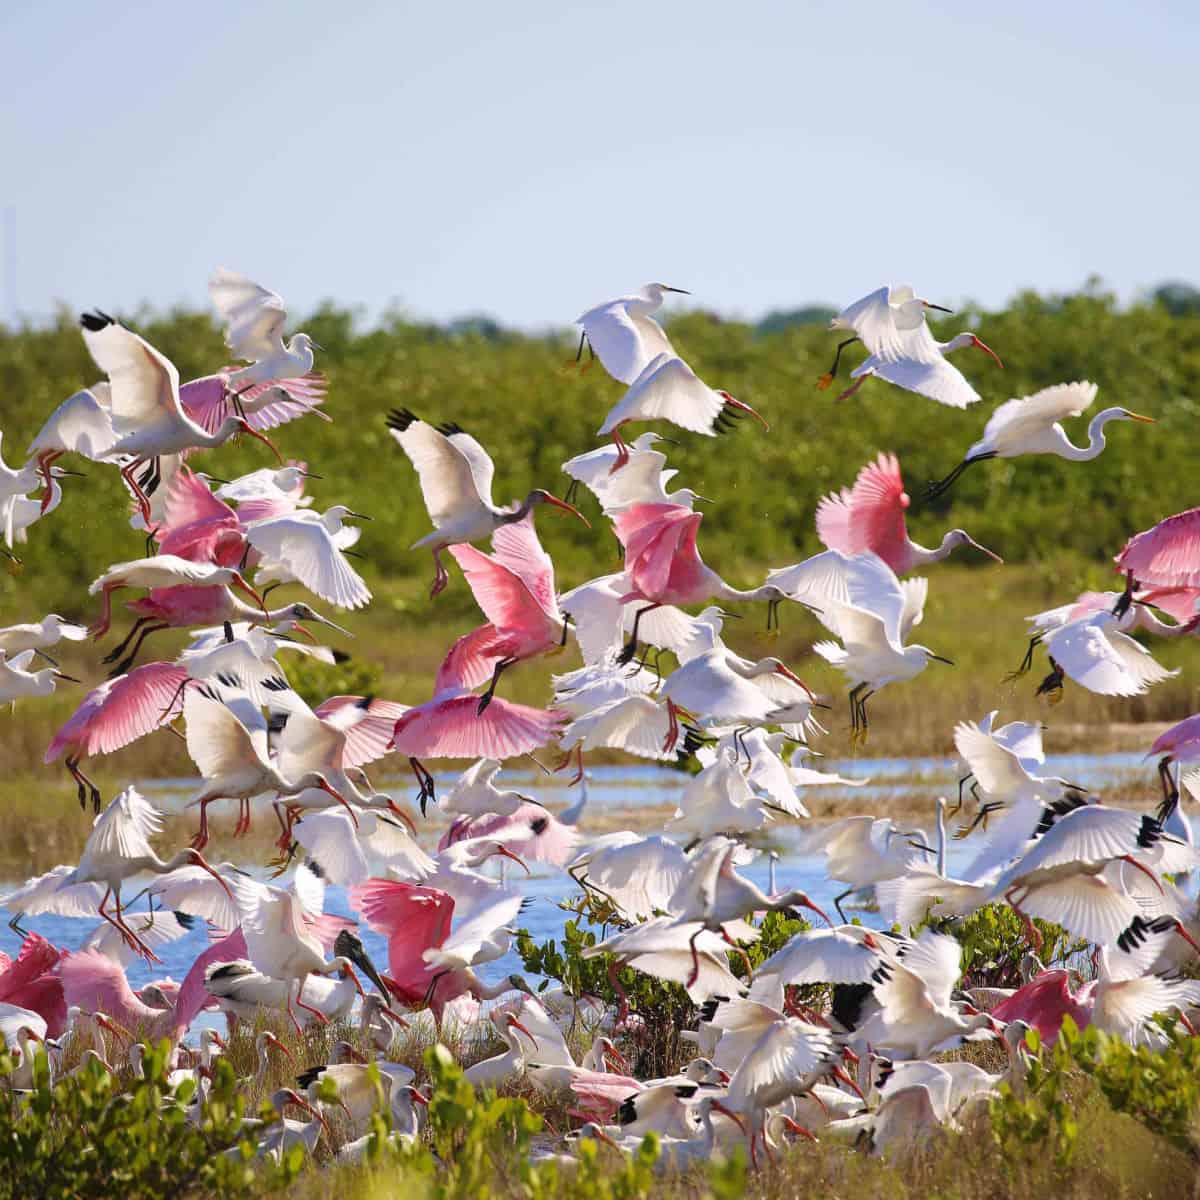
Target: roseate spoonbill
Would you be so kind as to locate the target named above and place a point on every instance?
(146, 413)
(309, 547)
(198, 526)
(859, 600)
(530, 832)
(82, 424)
(114, 714)
(18, 682)
(282, 945)
(623, 334)
(1030, 425)
(1165, 556)
(455, 473)
(663, 565)
(31, 981)
(49, 631)
(514, 587)
(253, 317)
(227, 740)
(211, 399)
(414, 919)
(452, 725)
(669, 390)
(890, 322)
(164, 571)
(870, 517)
(118, 847)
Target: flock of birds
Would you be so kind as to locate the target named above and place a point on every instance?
(865, 1067)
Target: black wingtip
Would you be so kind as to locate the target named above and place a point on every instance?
(96, 320)
(309, 1076)
(449, 429)
(400, 419)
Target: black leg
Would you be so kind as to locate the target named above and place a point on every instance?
(128, 660)
(837, 357)
(119, 650)
(499, 670)
(1126, 598)
(582, 342)
(572, 491)
(626, 655)
(837, 903)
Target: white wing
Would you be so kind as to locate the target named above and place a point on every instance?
(939, 380)
(124, 828)
(463, 945)
(447, 479)
(669, 390)
(637, 724)
(81, 424)
(623, 343)
(1097, 656)
(224, 736)
(1015, 420)
(997, 768)
(331, 840)
(878, 323)
(483, 470)
(144, 383)
(253, 315)
(310, 554)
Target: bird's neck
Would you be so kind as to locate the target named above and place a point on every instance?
(723, 591)
(958, 342)
(921, 555)
(1095, 436)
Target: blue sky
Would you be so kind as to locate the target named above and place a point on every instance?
(528, 160)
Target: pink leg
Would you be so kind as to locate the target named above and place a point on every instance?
(672, 728)
(45, 459)
(308, 1008)
(201, 838)
(101, 625)
(441, 576)
(854, 387)
(129, 474)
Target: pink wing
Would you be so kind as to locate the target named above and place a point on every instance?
(640, 524)
(518, 548)
(453, 729)
(835, 520)
(184, 605)
(27, 984)
(193, 996)
(531, 832)
(1088, 603)
(686, 565)
(122, 710)
(470, 660)
(499, 591)
(601, 1094)
(295, 398)
(1185, 734)
(367, 723)
(189, 501)
(203, 401)
(1167, 555)
(877, 503)
(413, 918)
(96, 983)
(1042, 1003)
(1178, 602)
(326, 926)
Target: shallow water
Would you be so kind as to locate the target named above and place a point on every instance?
(619, 787)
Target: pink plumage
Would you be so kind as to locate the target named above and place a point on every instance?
(531, 832)
(452, 727)
(185, 606)
(27, 982)
(198, 526)
(1043, 1002)
(193, 996)
(870, 516)
(413, 919)
(120, 711)
(94, 982)
(1177, 602)
(369, 736)
(208, 402)
(661, 556)
(1181, 741)
(1168, 555)
(600, 1094)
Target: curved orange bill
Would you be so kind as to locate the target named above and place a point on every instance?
(274, 1041)
(789, 674)
(242, 586)
(393, 807)
(262, 437)
(395, 1016)
(742, 406)
(326, 786)
(989, 351)
(507, 853)
(567, 508)
(799, 1129)
(513, 1023)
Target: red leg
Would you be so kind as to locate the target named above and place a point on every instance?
(672, 728)
(622, 450)
(45, 459)
(101, 625)
(201, 838)
(316, 1012)
(441, 576)
(854, 387)
(138, 944)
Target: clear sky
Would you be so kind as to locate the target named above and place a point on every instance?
(530, 159)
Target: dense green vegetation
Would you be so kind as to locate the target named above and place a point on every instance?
(1056, 523)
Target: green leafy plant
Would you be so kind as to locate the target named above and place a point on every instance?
(92, 1135)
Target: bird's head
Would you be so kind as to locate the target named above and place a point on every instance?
(1123, 414)
(541, 496)
(979, 344)
(655, 292)
(267, 1041)
(960, 537)
(927, 655)
(799, 899)
(302, 343)
(304, 612)
(521, 984)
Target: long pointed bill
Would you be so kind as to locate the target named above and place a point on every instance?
(68, 678)
(613, 1055)
(392, 1014)
(393, 807)
(989, 351)
(513, 1023)
(795, 1126)
(788, 674)
(305, 633)
(567, 508)
(205, 866)
(938, 658)
(113, 1027)
(1138, 417)
(334, 625)
(1187, 937)
(742, 406)
(677, 291)
(937, 307)
(246, 590)
(262, 437)
(507, 853)
(815, 907)
(420, 1098)
(984, 550)
(326, 786)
